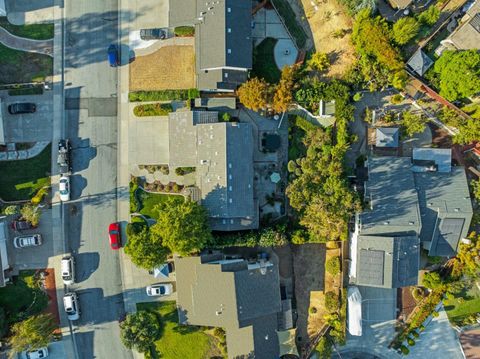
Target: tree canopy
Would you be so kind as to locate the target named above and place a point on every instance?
(182, 225)
(31, 214)
(319, 61)
(283, 96)
(32, 333)
(429, 16)
(145, 249)
(458, 74)
(140, 330)
(466, 262)
(413, 123)
(405, 29)
(254, 94)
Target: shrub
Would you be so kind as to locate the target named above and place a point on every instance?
(299, 237)
(312, 310)
(272, 238)
(184, 31)
(415, 334)
(411, 342)
(429, 16)
(162, 95)
(226, 117)
(417, 294)
(435, 314)
(135, 228)
(340, 33)
(421, 328)
(319, 62)
(357, 97)
(404, 350)
(175, 188)
(332, 266)
(182, 171)
(396, 99)
(10, 210)
(31, 214)
(153, 109)
(38, 198)
(291, 166)
(331, 301)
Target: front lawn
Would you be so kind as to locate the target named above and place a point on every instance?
(34, 31)
(463, 305)
(264, 65)
(21, 67)
(148, 201)
(177, 341)
(152, 109)
(21, 179)
(23, 298)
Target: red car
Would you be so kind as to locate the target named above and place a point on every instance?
(114, 234)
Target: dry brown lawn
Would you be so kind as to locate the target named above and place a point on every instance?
(170, 67)
(331, 17)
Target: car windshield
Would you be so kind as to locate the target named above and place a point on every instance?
(161, 290)
(113, 231)
(63, 191)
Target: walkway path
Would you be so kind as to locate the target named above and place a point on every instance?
(13, 155)
(44, 47)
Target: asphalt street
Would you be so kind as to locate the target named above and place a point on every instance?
(91, 124)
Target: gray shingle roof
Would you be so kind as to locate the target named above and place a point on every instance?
(387, 137)
(244, 302)
(420, 62)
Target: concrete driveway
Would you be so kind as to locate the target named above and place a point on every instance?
(148, 14)
(29, 127)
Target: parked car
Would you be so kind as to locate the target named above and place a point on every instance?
(22, 107)
(63, 158)
(68, 270)
(153, 34)
(113, 55)
(162, 289)
(32, 240)
(72, 308)
(114, 235)
(21, 225)
(64, 188)
(37, 353)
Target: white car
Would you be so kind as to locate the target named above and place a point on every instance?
(162, 289)
(37, 353)
(64, 188)
(31, 240)
(68, 270)
(70, 303)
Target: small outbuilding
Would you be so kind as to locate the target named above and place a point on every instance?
(387, 137)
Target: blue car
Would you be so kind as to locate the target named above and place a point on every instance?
(113, 56)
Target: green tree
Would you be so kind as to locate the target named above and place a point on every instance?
(140, 330)
(405, 29)
(413, 123)
(432, 280)
(476, 189)
(332, 266)
(458, 74)
(182, 225)
(331, 302)
(466, 262)
(32, 333)
(10, 210)
(429, 16)
(145, 249)
(254, 94)
(319, 62)
(31, 214)
(324, 348)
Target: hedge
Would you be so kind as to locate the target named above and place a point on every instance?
(153, 109)
(185, 31)
(163, 95)
(26, 91)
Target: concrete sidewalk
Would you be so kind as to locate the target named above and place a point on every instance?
(44, 47)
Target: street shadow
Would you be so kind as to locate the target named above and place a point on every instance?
(83, 153)
(77, 184)
(84, 341)
(90, 260)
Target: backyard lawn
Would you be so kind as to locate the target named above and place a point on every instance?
(177, 341)
(264, 62)
(34, 31)
(23, 298)
(466, 304)
(20, 180)
(20, 66)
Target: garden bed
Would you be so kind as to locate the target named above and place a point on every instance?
(163, 95)
(152, 109)
(23, 67)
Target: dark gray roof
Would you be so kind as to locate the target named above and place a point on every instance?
(220, 79)
(443, 197)
(387, 137)
(243, 301)
(182, 13)
(390, 189)
(420, 62)
(388, 262)
(217, 103)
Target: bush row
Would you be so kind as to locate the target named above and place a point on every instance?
(163, 95)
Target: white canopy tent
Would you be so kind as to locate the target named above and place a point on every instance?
(354, 323)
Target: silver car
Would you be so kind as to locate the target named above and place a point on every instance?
(70, 303)
(31, 240)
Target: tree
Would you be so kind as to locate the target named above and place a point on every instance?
(145, 249)
(429, 16)
(319, 62)
(333, 266)
(254, 94)
(32, 333)
(466, 262)
(140, 330)
(11, 210)
(413, 123)
(432, 280)
(476, 189)
(31, 214)
(283, 96)
(182, 225)
(458, 74)
(331, 302)
(405, 29)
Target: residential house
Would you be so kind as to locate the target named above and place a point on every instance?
(223, 43)
(412, 203)
(222, 153)
(400, 4)
(241, 297)
(387, 137)
(467, 35)
(419, 62)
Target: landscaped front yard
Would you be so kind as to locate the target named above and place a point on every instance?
(178, 341)
(147, 201)
(466, 304)
(20, 66)
(21, 179)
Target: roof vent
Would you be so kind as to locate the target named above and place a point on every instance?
(386, 223)
(411, 223)
(266, 337)
(218, 312)
(457, 209)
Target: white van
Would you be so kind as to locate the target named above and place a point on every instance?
(70, 303)
(68, 270)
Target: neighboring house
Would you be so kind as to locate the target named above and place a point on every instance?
(387, 137)
(400, 4)
(3, 9)
(467, 35)
(241, 297)
(326, 108)
(223, 42)
(412, 202)
(3, 252)
(222, 153)
(420, 62)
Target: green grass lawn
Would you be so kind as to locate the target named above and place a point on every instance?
(177, 341)
(35, 31)
(23, 298)
(467, 303)
(21, 67)
(20, 180)
(150, 200)
(264, 62)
